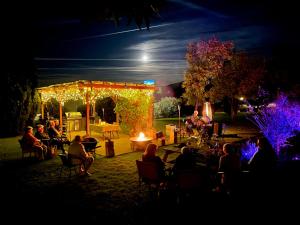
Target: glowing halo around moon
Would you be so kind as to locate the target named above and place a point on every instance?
(145, 58)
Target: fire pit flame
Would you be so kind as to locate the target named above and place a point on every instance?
(141, 137)
(140, 142)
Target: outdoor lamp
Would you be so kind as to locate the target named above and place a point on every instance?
(207, 110)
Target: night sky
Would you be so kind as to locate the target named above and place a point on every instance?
(66, 49)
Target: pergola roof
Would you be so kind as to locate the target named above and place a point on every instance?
(77, 89)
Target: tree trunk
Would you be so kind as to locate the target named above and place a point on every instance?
(234, 109)
(227, 105)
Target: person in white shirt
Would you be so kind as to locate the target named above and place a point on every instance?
(77, 153)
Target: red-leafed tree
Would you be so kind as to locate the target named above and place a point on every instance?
(215, 71)
(205, 64)
(241, 77)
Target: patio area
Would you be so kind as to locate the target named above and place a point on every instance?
(35, 192)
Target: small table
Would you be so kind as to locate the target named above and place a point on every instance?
(106, 128)
(138, 144)
(170, 150)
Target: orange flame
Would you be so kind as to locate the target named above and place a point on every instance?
(141, 136)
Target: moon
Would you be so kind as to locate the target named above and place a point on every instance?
(145, 58)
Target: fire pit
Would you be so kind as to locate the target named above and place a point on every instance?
(140, 142)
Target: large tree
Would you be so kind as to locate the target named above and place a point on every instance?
(18, 78)
(205, 63)
(217, 72)
(241, 77)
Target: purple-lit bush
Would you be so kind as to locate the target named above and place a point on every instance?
(248, 150)
(278, 121)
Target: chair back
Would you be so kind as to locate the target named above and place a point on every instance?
(148, 172)
(190, 179)
(23, 144)
(65, 160)
(25, 148)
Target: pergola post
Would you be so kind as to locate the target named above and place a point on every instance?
(60, 115)
(115, 99)
(94, 108)
(42, 110)
(117, 117)
(150, 114)
(87, 96)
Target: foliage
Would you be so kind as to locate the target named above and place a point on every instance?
(248, 150)
(241, 76)
(166, 107)
(278, 121)
(108, 105)
(216, 72)
(132, 107)
(205, 62)
(82, 109)
(52, 107)
(18, 78)
(18, 101)
(138, 11)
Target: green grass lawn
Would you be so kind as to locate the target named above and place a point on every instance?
(111, 194)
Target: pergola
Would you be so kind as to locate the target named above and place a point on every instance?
(90, 91)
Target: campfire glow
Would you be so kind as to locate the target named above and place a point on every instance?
(141, 137)
(140, 142)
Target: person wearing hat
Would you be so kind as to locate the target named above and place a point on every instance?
(40, 133)
(44, 137)
(78, 154)
(32, 142)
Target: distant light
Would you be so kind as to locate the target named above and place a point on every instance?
(145, 58)
(241, 98)
(271, 105)
(149, 82)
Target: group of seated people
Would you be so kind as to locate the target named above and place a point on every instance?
(196, 122)
(30, 141)
(43, 141)
(185, 161)
(229, 166)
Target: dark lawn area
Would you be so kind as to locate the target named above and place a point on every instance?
(33, 192)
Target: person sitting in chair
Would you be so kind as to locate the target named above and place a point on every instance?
(195, 118)
(150, 156)
(56, 137)
(77, 153)
(189, 126)
(40, 133)
(230, 165)
(185, 161)
(31, 141)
